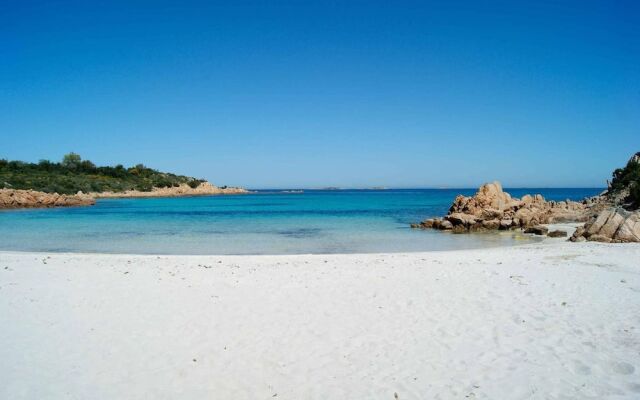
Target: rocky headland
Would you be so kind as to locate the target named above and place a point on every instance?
(59, 184)
(184, 190)
(11, 198)
(613, 216)
(14, 198)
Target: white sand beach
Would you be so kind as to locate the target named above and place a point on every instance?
(554, 320)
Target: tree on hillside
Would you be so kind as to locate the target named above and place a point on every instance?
(73, 174)
(628, 178)
(71, 160)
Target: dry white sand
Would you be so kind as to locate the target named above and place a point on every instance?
(554, 320)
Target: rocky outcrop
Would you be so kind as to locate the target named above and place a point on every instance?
(613, 225)
(204, 189)
(537, 230)
(492, 208)
(557, 234)
(10, 198)
(613, 216)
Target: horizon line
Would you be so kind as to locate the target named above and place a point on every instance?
(381, 189)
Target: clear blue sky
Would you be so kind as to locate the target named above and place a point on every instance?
(309, 94)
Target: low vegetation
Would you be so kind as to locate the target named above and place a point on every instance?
(74, 174)
(628, 178)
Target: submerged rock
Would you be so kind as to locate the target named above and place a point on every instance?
(537, 230)
(557, 233)
(428, 223)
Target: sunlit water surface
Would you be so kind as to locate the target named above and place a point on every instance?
(267, 222)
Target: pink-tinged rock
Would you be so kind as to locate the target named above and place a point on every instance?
(599, 238)
(10, 198)
(614, 222)
(537, 230)
(506, 223)
(461, 219)
(491, 204)
(491, 213)
(602, 218)
(629, 230)
(445, 225)
(427, 223)
(491, 224)
(557, 234)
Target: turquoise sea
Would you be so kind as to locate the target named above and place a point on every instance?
(266, 222)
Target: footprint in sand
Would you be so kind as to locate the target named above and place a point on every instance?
(517, 319)
(580, 368)
(623, 368)
(635, 387)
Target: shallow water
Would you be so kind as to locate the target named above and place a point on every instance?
(267, 222)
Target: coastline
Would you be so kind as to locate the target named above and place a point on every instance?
(512, 322)
(522, 240)
(205, 189)
(611, 217)
(18, 198)
(11, 199)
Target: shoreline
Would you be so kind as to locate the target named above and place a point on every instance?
(544, 242)
(541, 239)
(508, 322)
(492, 239)
(205, 189)
(538, 240)
(532, 240)
(16, 199)
(155, 255)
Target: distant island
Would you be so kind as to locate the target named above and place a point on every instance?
(75, 181)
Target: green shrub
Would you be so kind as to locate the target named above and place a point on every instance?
(628, 177)
(71, 161)
(74, 174)
(634, 194)
(194, 183)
